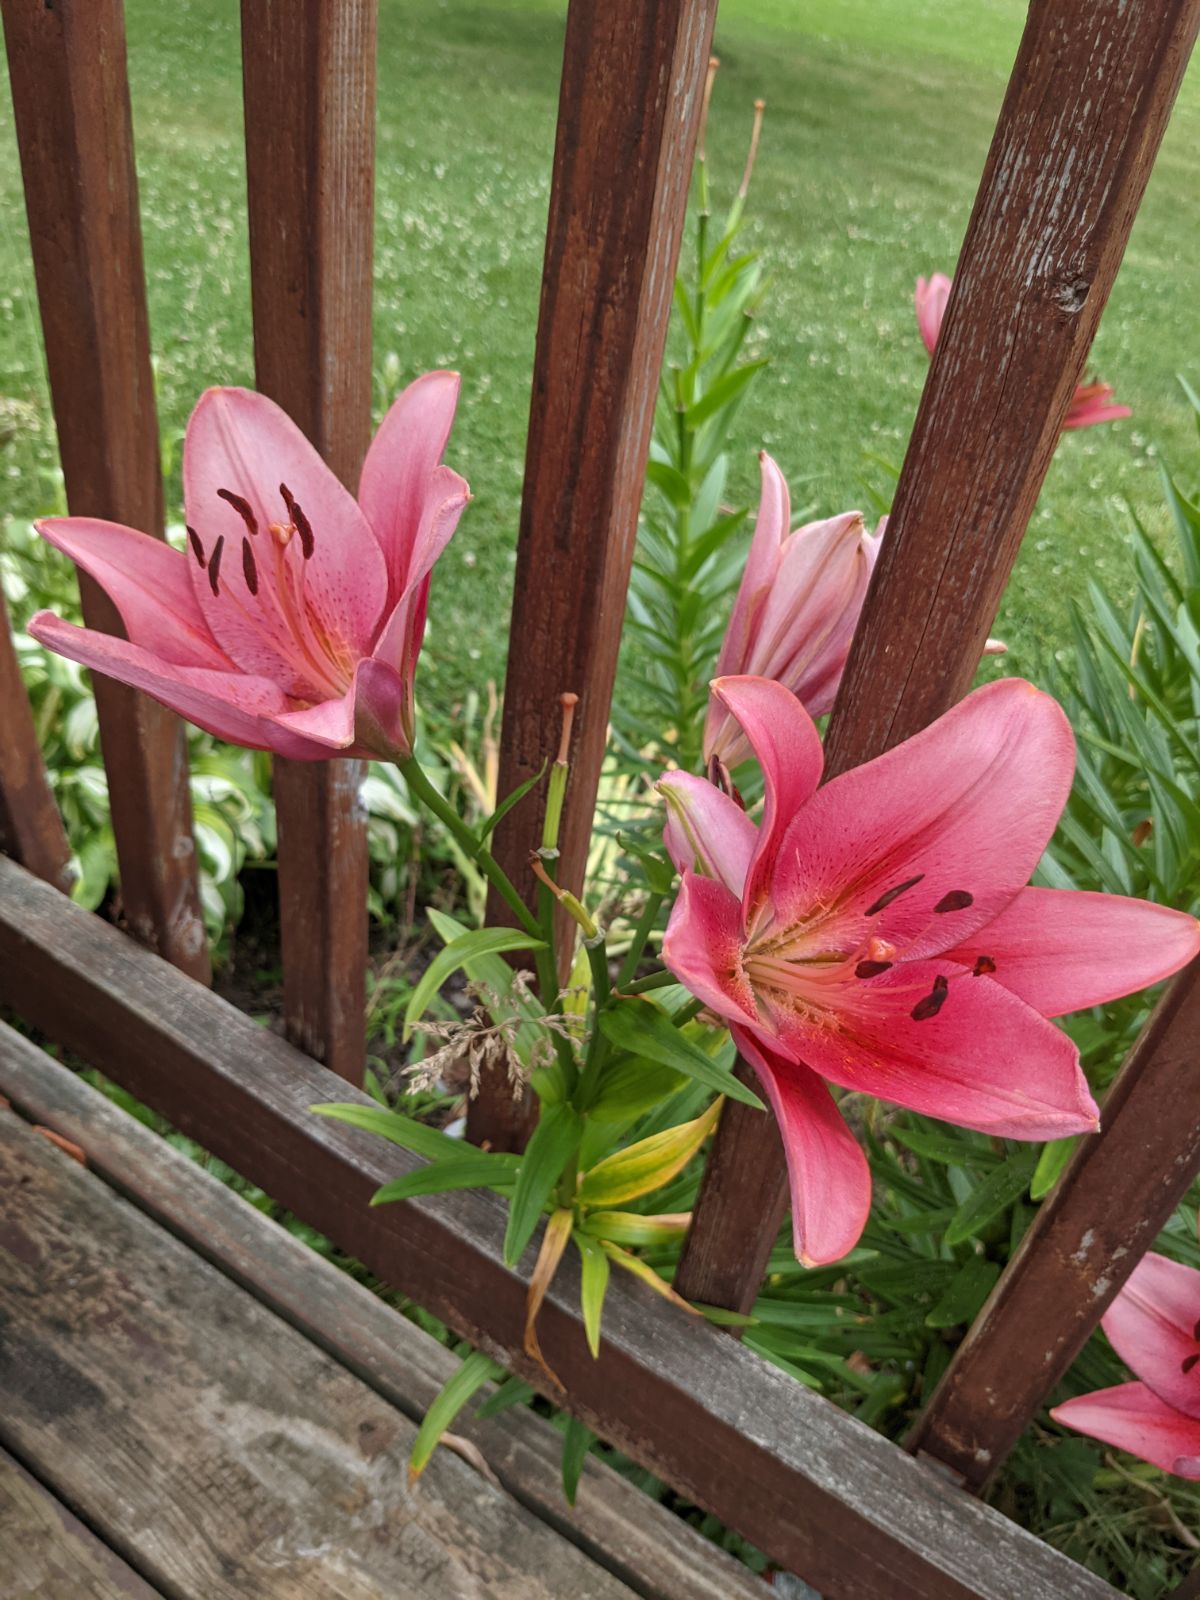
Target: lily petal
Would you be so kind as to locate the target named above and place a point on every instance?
(963, 810)
(400, 638)
(930, 299)
(1063, 949)
(980, 1058)
(402, 489)
(770, 530)
(788, 749)
(1132, 1417)
(706, 831)
(147, 581)
(703, 947)
(828, 1174)
(1152, 1327)
(302, 620)
(232, 705)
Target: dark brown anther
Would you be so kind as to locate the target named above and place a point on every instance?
(196, 547)
(299, 521)
(242, 507)
(871, 969)
(1196, 1333)
(956, 900)
(933, 1001)
(1189, 1362)
(214, 564)
(249, 570)
(718, 776)
(893, 894)
(983, 965)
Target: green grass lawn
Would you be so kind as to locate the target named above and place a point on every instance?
(879, 116)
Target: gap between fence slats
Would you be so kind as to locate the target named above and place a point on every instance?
(1086, 108)
(71, 108)
(632, 83)
(31, 829)
(309, 81)
(817, 1490)
(1120, 1189)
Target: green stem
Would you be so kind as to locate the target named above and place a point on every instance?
(656, 980)
(641, 933)
(419, 784)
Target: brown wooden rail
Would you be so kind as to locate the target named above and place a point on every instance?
(309, 77)
(31, 829)
(632, 84)
(1087, 105)
(820, 1492)
(71, 107)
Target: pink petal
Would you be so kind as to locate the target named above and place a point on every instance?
(147, 581)
(1063, 949)
(985, 1060)
(1092, 403)
(400, 639)
(403, 491)
(703, 947)
(1133, 1418)
(770, 530)
(1152, 1327)
(309, 620)
(788, 748)
(964, 809)
(231, 705)
(930, 299)
(706, 831)
(828, 1174)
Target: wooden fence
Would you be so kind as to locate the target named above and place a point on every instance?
(1089, 100)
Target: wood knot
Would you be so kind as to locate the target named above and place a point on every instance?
(1071, 295)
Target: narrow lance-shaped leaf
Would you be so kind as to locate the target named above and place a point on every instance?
(593, 1285)
(648, 1164)
(554, 1141)
(642, 1029)
(476, 1370)
(480, 942)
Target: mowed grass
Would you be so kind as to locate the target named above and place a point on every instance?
(879, 117)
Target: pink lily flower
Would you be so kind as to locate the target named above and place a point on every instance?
(1154, 1326)
(294, 620)
(796, 609)
(877, 933)
(1091, 402)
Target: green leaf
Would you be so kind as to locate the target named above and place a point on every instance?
(554, 1141)
(632, 1227)
(476, 1370)
(512, 1392)
(509, 802)
(995, 1194)
(578, 1440)
(593, 1285)
(477, 1170)
(480, 942)
(943, 1147)
(725, 390)
(643, 1030)
(648, 1164)
(965, 1293)
(418, 1137)
(629, 1087)
(1051, 1162)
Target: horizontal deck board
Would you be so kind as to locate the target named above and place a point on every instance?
(820, 1492)
(209, 1441)
(650, 1549)
(48, 1554)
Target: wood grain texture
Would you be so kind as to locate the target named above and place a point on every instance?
(48, 1554)
(652, 1551)
(1086, 108)
(218, 1450)
(633, 78)
(309, 82)
(821, 1493)
(71, 108)
(1114, 1198)
(31, 829)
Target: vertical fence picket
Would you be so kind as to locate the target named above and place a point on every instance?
(633, 77)
(1119, 1190)
(31, 829)
(309, 82)
(71, 108)
(1086, 108)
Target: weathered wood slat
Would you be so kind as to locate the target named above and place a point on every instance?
(1087, 105)
(212, 1443)
(31, 829)
(1119, 1190)
(71, 107)
(309, 79)
(632, 84)
(48, 1554)
(818, 1491)
(648, 1548)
